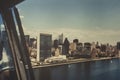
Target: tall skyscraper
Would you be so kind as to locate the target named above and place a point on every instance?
(44, 45)
(61, 39)
(55, 43)
(87, 48)
(118, 48)
(118, 45)
(65, 47)
(27, 38)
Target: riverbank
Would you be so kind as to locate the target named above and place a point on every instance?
(73, 61)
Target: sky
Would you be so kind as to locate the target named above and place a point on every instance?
(86, 20)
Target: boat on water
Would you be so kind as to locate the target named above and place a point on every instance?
(58, 59)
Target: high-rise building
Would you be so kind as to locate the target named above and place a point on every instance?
(80, 47)
(31, 42)
(44, 45)
(61, 39)
(72, 46)
(118, 48)
(87, 48)
(118, 45)
(55, 43)
(6, 47)
(76, 41)
(103, 47)
(27, 38)
(65, 47)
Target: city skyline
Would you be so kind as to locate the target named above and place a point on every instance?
(86, 20)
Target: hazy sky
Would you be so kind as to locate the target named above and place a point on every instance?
(87, 20)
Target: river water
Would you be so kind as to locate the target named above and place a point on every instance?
(92, 70)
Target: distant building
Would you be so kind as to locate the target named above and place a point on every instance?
(76, 41)
(97, 45)
(55, 43)
(60, 48)
(103, 48)
(72, 46)
(60, 39)
(27, 39)
(65, 47)
(118, 48)
(6, 49)
(118, 45)
(93, 52)
(57, 52)
(87, 48)
(80, 47)
(93, 45)
(87, 45)
(44, 45)
(31, 42)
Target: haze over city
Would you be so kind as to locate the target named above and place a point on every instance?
(59, 40)
(87, 20)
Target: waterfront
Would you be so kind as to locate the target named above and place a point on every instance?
(108, 69)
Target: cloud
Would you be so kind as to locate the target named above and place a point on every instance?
(2, 27)
(21, 16)
(20, 11)
(84, 35)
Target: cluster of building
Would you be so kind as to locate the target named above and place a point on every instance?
(44, 47)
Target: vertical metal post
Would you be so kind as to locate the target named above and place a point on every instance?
(23, 44)
(14, 43)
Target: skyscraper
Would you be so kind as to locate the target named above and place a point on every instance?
(61, 39)
(44, 45)
(65, 48)
(27, 38)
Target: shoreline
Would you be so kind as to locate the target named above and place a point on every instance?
(74, 61)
